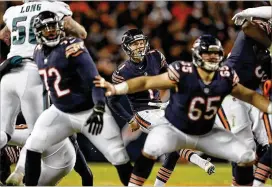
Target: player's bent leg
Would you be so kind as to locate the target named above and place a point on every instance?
(57, 162)
(52, 176)
(167, 168)
(243, 175)
(16, 177)
(110, 144)
(19, 137)
(161, 139)
(52, 127)
(223, 144)
(4, 138)
(5, 166)
(31, 96)
(192, 157)
(10, 104)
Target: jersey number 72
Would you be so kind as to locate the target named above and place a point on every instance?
(50, 72)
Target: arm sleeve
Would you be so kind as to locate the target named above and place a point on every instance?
(114, 101)
(116, 106)
(259, 12)
(86, 68)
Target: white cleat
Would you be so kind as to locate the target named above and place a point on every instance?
(15, 179)
(209, 167)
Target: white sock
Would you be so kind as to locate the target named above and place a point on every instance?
(158, 182)
(197, 160)
(257, 183)
(132, 184)
(3, 139)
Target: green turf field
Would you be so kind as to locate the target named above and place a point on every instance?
(184, 174)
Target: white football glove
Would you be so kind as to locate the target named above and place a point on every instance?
(240, 17)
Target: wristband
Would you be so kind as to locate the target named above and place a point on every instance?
(121, 89)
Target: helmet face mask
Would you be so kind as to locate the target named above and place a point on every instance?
(135, 44)
(48, 29)
(207, 53)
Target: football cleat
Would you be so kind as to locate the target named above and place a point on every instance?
(15, 179)
(209, 167)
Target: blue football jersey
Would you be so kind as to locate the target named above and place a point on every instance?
(194, 104)
(252, 70)
(154, 63)
(68, 72)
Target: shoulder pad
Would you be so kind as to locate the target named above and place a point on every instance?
(230, 74)
(178, 69)
(73, 47)
(117, 78)
(160, 56)
(7, 13)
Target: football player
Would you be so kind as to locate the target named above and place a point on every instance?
(252, 62)
(188, 122)
(57, 161)
(18, 90)
(22, 87)
(68, 71)
(146, 104)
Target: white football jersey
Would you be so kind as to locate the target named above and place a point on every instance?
(19, 20)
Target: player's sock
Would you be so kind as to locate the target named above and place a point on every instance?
(5, 166)
(82, 168)
(243, 176)
(32, 168)
(167, 168)
(192, 157)
(141, 171)
(264, 168)
(124, 172)
(257, 183)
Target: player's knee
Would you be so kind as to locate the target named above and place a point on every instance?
(157, 142)
(118, 155)
(3, 139)
(247, 158)
(34, 144)
(152, 151)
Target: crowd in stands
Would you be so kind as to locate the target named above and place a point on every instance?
(171, 26)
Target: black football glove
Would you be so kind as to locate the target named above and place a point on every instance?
(95, 121)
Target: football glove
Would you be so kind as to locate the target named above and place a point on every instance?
(95, 121)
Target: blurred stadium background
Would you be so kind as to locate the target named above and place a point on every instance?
(171, 27)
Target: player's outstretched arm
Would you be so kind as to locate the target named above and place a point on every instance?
(254, 31)
(138, 84)
(252, 97)
(5, 35)
(74, 28)
(258, 12)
